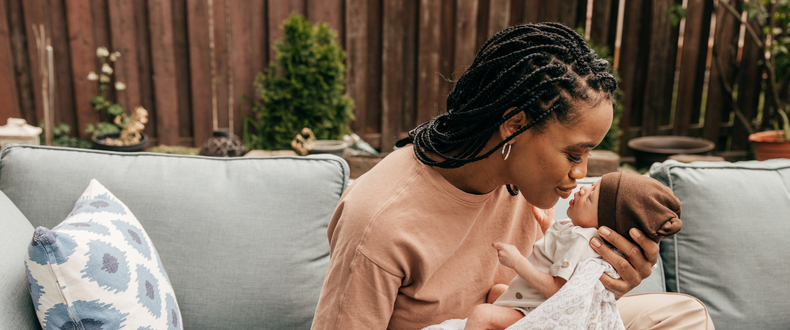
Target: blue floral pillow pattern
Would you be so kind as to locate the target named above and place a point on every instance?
(99, 270)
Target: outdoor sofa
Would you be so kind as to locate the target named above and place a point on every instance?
(243, 240)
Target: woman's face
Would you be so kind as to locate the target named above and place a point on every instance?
(545, 165)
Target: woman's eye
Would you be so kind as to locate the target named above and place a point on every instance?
(574, 159)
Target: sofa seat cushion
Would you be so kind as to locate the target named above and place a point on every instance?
(731, 253)
(98, 267)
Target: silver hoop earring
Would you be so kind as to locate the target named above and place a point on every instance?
(506, 154)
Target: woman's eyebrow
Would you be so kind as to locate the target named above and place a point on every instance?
(582, 145)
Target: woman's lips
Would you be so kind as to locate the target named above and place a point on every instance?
(564, 192)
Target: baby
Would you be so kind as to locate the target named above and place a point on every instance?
(618, 201)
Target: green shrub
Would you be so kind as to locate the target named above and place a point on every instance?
(304, 87)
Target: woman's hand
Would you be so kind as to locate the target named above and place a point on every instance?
(637, 264)
(508, 254)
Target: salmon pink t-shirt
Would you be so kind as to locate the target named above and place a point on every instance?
(409, 249)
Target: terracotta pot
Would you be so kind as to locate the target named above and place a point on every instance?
(768, 146)
(97, 142)
(651, 149)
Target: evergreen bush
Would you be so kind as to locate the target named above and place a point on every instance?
(303, 87)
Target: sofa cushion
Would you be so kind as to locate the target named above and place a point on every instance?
(732, 249)
(243, 239)
(99, 267)
(16, 308)
(654, 282)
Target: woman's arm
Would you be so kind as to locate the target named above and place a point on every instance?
(544, 283)
(637, 264)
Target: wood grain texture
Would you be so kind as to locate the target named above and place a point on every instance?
(81, 41)
(392, 75)
(199, 68)
(428, 60)
(692, 64)
(8, 89)
(164, 68)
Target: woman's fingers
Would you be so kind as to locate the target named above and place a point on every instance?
(633, 267)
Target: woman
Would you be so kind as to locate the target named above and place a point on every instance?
(411, 239)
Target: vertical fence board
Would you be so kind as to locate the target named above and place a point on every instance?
(599, 29)
(633, 59)
(375, 69)
(122, 30)
(749, 84)
(465, 34)
(566, 13)
(516, 15)
(18, 31)
(392, 75)
(63, 107)
(241, 61)
(409, 67)
(35, 12)
(498, 18)
(81, 41)
(181, 48)
(356, 21)
(199, 68)
(329, 12)
(428, 60)
(446, 58)
(160, 13)
(718, 103)
(221, 64)
(534, 11)
(8, 90)
(660, 69)
(278, 12)
(692, 63)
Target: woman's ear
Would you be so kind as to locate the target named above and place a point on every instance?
(513, 124)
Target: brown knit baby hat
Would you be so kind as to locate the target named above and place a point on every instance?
(630, 200)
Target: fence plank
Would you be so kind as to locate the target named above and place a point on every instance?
(18, 38)
(164, 68)
(601, 22)
(199, 69)
(428, 60)
(181, 48)
(244, 65)
(498, 18)
(63, 107)
(356, 21)
(375, 70)
(633, 60)
(661, 68)
(124, 40)
(566, 13)
(330, 12)
(534, 11)
(718, 103)
(749, 86)
(446, 58)
(392, 75)
(81, 41)
(221, 66)
(692, 63)
(409, 67)
(465, 34)
(8, 90)
(278, 12)
(35, 14)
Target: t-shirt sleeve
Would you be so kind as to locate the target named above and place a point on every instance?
(571, 250)
(363, 298)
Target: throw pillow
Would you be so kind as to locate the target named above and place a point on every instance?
(99, 270)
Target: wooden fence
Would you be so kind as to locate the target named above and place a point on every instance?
(187, 61)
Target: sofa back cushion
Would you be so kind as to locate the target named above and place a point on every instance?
(243, 240)
(16, 306)
(732, 251)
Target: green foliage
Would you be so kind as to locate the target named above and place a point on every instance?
(612, 139)
(103, 102)
(304, 87)
(61, 137)
(676, 13)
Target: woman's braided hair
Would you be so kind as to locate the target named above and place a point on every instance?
(543, 69)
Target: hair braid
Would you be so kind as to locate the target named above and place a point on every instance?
(543, 70)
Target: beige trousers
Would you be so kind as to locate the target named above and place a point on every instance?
(656, 311)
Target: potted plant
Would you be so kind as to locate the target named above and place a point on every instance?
(303, 87)
(116, 130)
(129, 138)
(771, 32)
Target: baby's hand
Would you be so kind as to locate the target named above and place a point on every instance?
(508, 254)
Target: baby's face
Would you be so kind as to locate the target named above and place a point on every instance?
(583, 209)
